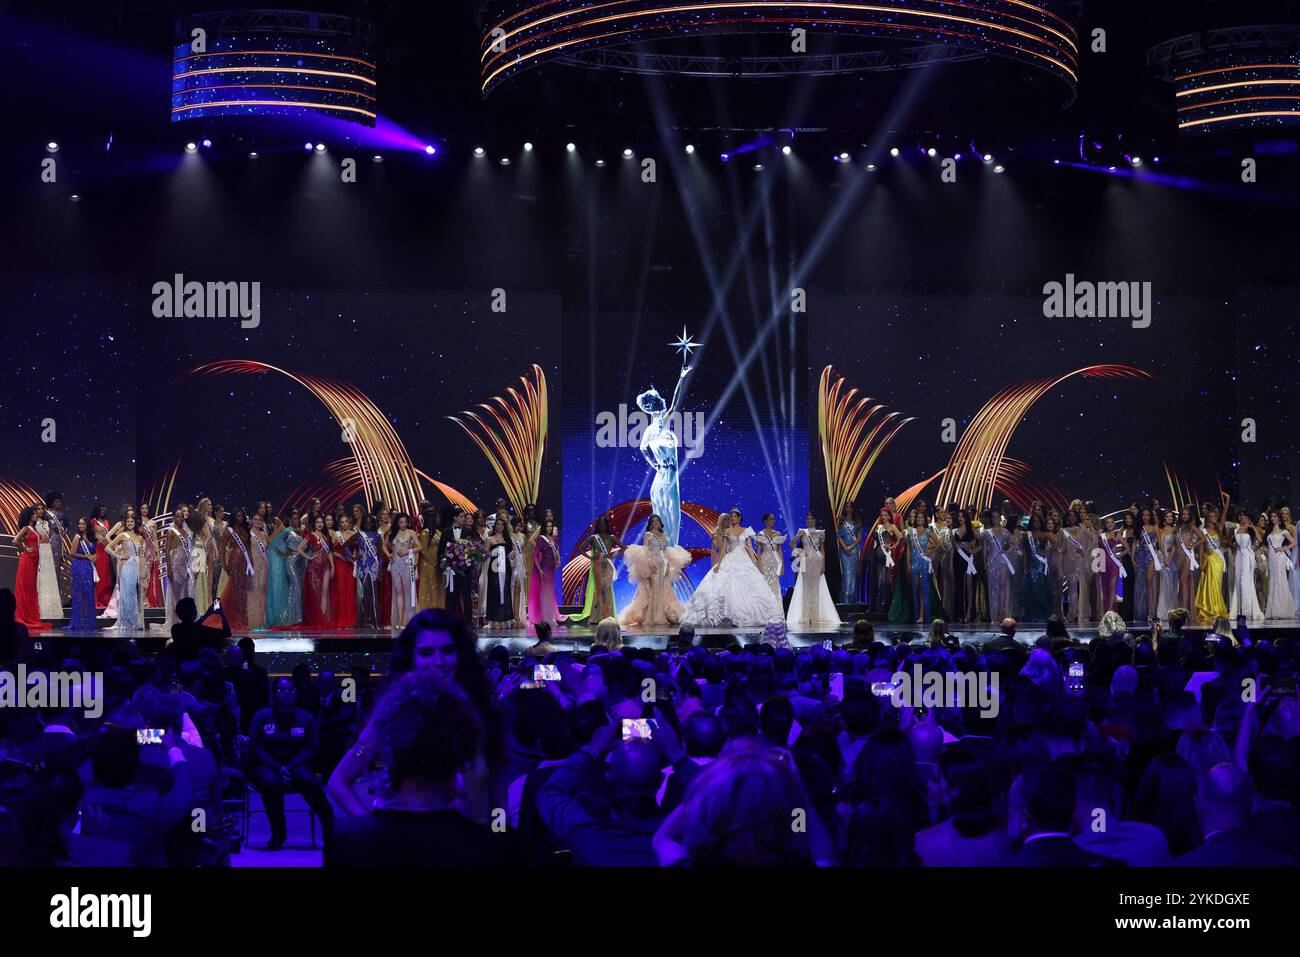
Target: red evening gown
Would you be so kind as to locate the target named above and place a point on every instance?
(315, 592)
(29, 603)
(103, 565)
(343, 587)
(235, 588)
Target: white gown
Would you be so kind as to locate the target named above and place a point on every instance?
(47, 577)
(1281, 604)
(734, 594)
(803, 612)
(1245, 601)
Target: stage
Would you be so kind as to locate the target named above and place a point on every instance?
(340, 651)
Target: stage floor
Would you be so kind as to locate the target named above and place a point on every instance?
(340, 651)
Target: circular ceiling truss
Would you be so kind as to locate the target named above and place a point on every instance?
(1235, 78)
(628, 36)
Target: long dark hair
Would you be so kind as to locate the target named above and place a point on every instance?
(470, 676)
(395, 525)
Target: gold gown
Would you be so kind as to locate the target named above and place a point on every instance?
(432, 591)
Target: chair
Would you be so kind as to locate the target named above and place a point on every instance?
(245, 830)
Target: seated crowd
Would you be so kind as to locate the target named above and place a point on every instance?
(1179, 748)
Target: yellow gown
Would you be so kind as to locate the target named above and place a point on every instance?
(1209, 592)
(431, 592)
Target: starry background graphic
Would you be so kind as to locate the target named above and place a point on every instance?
(933, 358)
(621, 356)
(418, 356)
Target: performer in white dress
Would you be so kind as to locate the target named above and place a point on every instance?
(1281, 604)
(768, 542)
(1245, 600)
(47, 576)
(653, 567)
(811, 604)
(734, 593)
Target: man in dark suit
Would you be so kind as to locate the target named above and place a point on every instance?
(1039, 815)
(460, 595)
(1224, 801)
(282, 741)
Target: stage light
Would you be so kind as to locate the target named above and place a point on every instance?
(726, 157)
(252, 155)
(479, 151)
(431, 150)
(528, 147)
(572, 147)
(75, 198)
(957, 157)
(306, 146)
(1136, 161)
(932, 152)
(988, 157)
(871, 167)
(600, 164)
(999, 168)
(627, 153)
(844, 157)
(758, 167)
(207, 144)
(377, 158)
(894, 151)
(690, 148)
(191, 147)
(505, 161)
(1155, 159)
(320, 147)
(51, 147)
(786, 150)
(1056, 162)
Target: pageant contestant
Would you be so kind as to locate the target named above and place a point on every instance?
(998, 570)
(200, 557)
(260, 545)
(941, 564)
(58, 526)
(315, 546)
(734, 592)
(811, 605)
(367, 573)
(430, 583)
(47, 578)
(541, 580)
(519, 572)
(601, 549)
(385, 529)
(128, 511)
(885, 553)
(1114, 549)
(83, 578)
(653, 566)
(966, 547)
(1146, 559)
(1167, 600)
(277, 575)
(28, 543)
(483, 533)
(1190, 542)
(103, 561)
(151, 563)
(1036, 585)
(1295, 557)
(1214, 572)
(500, 583)
(237, 562)
(178, 542)
(921, 546)
(1245, 600)
(770, 553)
(848, 540)
(1280, 541)
(400, 551)
(343, 586)
(1127, 533)
(1076, 559)
(127, 547)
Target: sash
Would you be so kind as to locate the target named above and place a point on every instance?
(1286, 559)
(371, 570)
(1191, 556)
(1033, 549)
(884, 549)
(1214, 547)
(81, 547)
(916, 543)
(966, 557)
(1146, 540)
(1071, 539)
(796, 561)
(1105, 544)
(997, 547)
(248, 562)
(187, 543)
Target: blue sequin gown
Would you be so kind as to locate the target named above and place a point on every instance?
(130, 608)
(83, 589)
(277, 578)
(848, 535)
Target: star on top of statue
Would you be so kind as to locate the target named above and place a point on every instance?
(685, 344)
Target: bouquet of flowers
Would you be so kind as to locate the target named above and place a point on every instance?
(463, 557)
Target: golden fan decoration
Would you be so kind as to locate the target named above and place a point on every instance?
(511, 431)
(854, 430)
